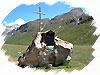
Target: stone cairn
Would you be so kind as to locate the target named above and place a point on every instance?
(46, 50)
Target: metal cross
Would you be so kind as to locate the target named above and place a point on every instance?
(40, 13)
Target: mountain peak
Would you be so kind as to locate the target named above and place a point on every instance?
(77, 11)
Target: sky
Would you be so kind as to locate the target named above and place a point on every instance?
(26, 12)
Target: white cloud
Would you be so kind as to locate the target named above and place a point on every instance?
(92, 7)
(18, 21)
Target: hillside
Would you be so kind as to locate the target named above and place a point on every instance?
(74, 26)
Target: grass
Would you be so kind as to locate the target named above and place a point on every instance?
(21, 38)
(14, 51)
(81, 57)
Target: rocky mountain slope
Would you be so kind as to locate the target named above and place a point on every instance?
(74, 26)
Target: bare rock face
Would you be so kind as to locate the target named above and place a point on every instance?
(46, 50)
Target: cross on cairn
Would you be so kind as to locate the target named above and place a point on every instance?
(40, 13)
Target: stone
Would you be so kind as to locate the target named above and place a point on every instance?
(46, 50)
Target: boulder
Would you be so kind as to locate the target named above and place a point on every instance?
(46, 49)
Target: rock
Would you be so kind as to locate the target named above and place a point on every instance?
(45, 50)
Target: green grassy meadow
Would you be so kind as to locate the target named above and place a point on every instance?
(81, 57)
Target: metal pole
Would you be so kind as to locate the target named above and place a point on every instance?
(40, 18)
